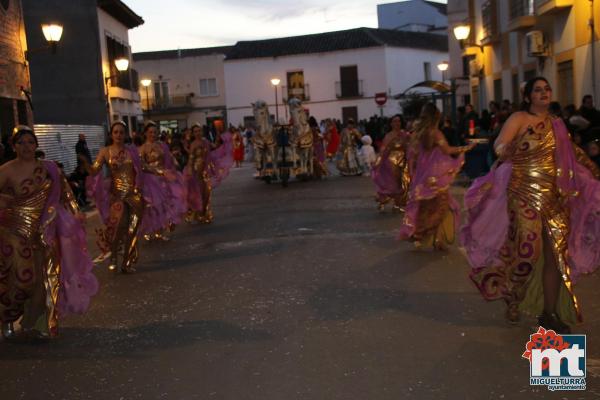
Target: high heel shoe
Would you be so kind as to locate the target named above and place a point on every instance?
(112, 265)
(552, 321)
(8, 331)
(36, 335)
(127, 267)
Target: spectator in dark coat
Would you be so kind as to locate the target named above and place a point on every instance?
(81, 149)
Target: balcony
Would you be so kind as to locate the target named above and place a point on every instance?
(348, 89)
(301, 93)
(521, 15)
(489, 19)
(551, 6)
(170, 104)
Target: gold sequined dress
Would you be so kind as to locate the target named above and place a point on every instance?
(199, 184)
(29, 266)
(391, 173)
(348, 164)
(126, 207)
(538, 217)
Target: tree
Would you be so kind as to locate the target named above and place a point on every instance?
(411, 104)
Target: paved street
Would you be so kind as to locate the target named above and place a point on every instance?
(296, 293)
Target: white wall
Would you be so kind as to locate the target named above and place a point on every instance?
(248, 80)
(123, 102)
(416, 12)
(183, 76)
(382, 69)
(405, 67)
(457, 13)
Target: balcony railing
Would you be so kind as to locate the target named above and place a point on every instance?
(521, 14)
(167, 103)
(127, 80)
(348, 89)
(301, 93)
(521, 8)
(489, 21)
(551, 6)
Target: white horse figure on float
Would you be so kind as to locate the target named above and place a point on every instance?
(301, 138)
(264, 140)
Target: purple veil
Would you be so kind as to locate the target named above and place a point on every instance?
(61, 229)
(434, 172)
(484, 233)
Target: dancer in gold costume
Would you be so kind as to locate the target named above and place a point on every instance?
(432, 214)
(528, 220)
(198, 179)
(45, 271)
(163, 187)
(348, 164)
(390, 173)
(119, 200)
(207, 166)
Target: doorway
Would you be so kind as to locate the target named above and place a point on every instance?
(349, 112)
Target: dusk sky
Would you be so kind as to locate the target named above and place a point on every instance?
(202, 23)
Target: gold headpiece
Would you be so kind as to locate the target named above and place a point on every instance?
(20, 128)
(118, 122)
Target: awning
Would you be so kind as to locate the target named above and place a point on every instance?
(438, 86)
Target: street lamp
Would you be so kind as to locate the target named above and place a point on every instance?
(275, 82)
(52, 34)
(443, 66)
(462, 31)
(122, 65)
(145, 83)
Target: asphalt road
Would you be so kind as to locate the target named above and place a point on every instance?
(295, 293)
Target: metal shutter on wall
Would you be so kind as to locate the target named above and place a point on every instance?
(58, 142)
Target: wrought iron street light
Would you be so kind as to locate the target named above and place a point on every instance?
(52, 34)
(122, 65)
(275, 82)
(462, 31)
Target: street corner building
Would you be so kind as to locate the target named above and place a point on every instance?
(15, 83)
(76, 86)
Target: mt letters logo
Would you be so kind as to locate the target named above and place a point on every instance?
(556, 361)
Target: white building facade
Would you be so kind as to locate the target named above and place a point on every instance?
(121, 87)
(413, 15)
(187, 86)
(336, 74)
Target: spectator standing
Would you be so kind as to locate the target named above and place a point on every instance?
(82, 150)
(589, 112)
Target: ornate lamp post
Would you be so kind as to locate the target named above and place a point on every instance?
(275, 82)
(145, 83)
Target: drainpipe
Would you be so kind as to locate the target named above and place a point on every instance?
(593, 48)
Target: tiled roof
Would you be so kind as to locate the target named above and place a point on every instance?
(334, 41)
(121, 12)
(159, 55)
(442, 8)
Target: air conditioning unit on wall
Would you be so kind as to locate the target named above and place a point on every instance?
(536, 44)
(475, 68)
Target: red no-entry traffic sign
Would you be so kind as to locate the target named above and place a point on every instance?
(380, 98)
